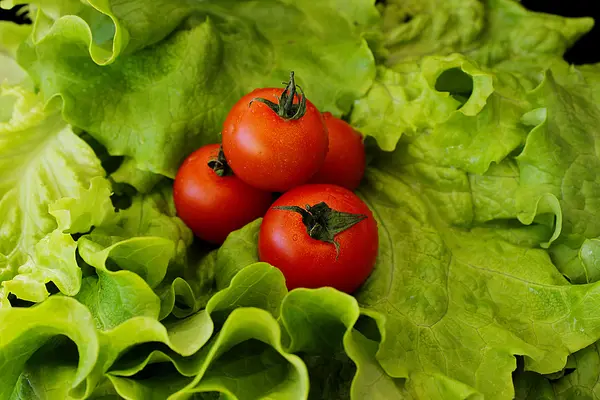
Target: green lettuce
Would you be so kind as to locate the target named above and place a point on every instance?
(559, 160)
(482, 178)
(11, 36)
(579, 380)
(492, 31)
(197, 62)
(47, 170)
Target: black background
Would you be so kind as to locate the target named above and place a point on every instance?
(587, 50)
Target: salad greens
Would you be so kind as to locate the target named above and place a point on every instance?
(484, 179)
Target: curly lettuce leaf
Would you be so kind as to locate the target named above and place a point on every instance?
(466, 116)
(11, 37)
(198, 62)
(490, 31)
(54, 261)
(90, 208)
(145, 238)
(582, 383)
(258, 285)
(249, 337)
(579, 381)
(142, 181)
(113, 298)
(449, 313)
(506, 48)
(47, 169)
(25, 330)
(560, 162)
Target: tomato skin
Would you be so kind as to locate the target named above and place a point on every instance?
(345, 162)
(214, 206)
(306, 262)
(269, 152)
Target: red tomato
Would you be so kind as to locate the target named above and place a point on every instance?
(212, 205)
(270, 151)
(306, 262)
(345, 161)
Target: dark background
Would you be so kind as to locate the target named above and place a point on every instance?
(587, 50)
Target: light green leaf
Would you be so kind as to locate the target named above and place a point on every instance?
(43, 161)
(49, 373)
(559, 162)
(184, 292)
(413, 28)
(590, 258)
(142, 181)
(184, 337)
(239, 250)
(514, 33)
(400, 102)
(471, 115)
(250, 336)
(495, 192)
(25, 330)
(306, 314)
(113, 298)
(458, 305)
(91, 207)
(148, 257)
(582, 383)
(259, 285)
(490, 31)
(371, 381)
(53, 261)
(146, 239)
(11, 36)
(197, 63)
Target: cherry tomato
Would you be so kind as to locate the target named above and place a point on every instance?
(345, 162)
(211, 205)
(275, 139)
(313, 260)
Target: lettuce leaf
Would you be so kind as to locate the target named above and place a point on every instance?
(25, 330)
(144, 238)
(578, 381)
(485, 196)
(11, 37)
(197, 61)
(448, 311)
(559, 160)
(490, 31)
(424, 85)
(48, 169)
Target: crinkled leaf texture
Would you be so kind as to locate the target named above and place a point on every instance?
(154, 84)
(47, 171)
(508, 49)
(560, 159)
(491, 31)
(483, 172)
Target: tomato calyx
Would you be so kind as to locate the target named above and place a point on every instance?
(285, 107)
(323, 223)
(219, 165)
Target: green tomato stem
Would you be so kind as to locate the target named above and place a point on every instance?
(219, 165)
(285, 106)
(323, 223)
